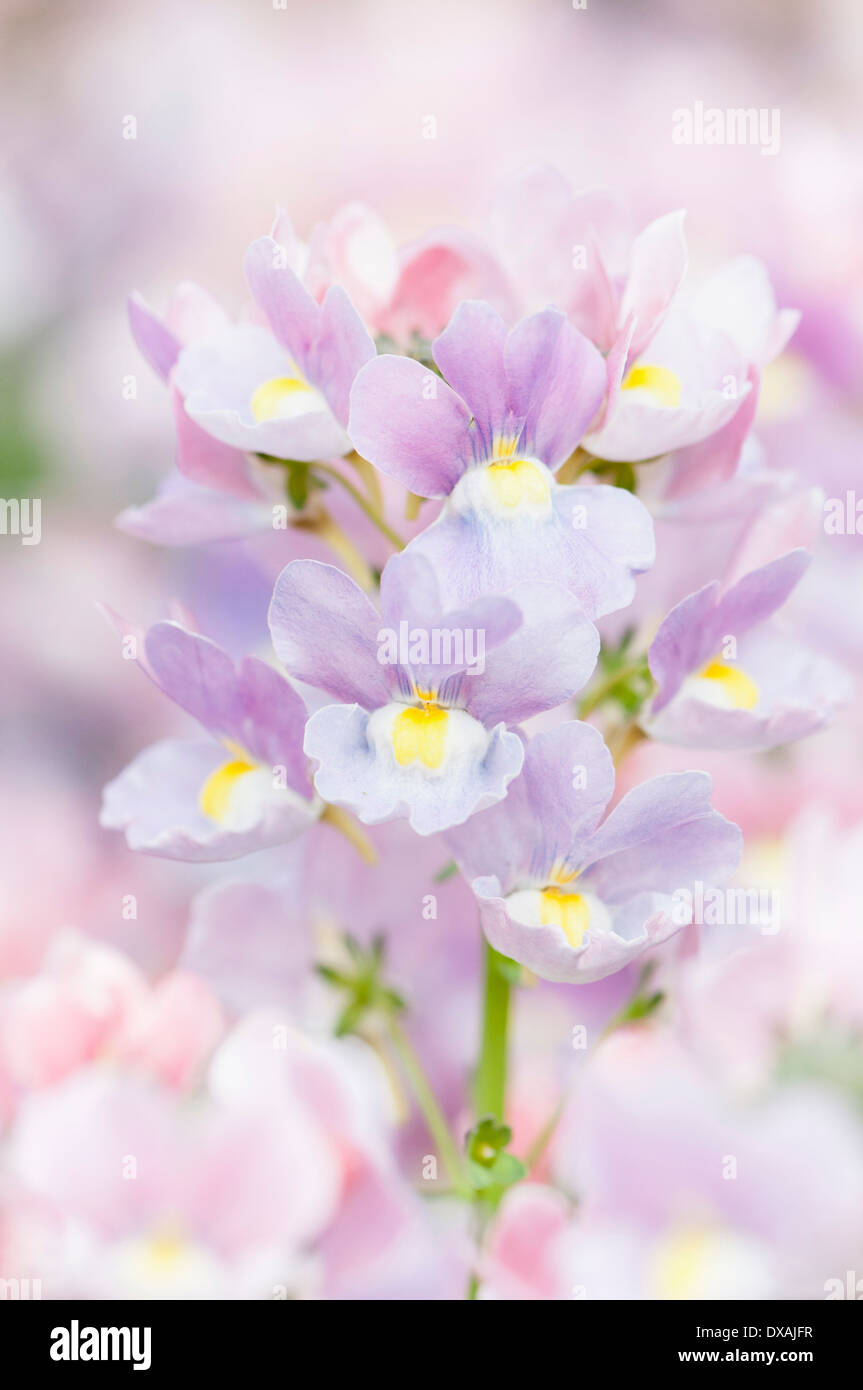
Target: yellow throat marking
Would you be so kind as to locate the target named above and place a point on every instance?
(518, 481)
(569, 911)
(164, 1249)
(419, 735)
(215, 795)
(680, 1261)
(268, 399)
(740, 689)
(662, 383)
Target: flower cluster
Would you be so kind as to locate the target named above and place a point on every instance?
(479, 477)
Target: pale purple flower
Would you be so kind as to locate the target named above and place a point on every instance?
(579, 252)
(216, 491)
(281, 390)
(728, 678)
(424, 694)
(489, 439)
(699, 371)
(400, 290)
(243, 787)
(573, 897)
(756, 1201)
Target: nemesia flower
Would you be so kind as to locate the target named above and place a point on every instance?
(281, 390)
(150, 1199)
(185, 513)
(400, 291)
(687, 386)
(216, 491)
(738, 301)
(419, 731)
(697, 373)
(489, 438)
(241, 389)
(524, 1255)
(731, 1201)
(574, 897)
(577, 251)
(729, 1204)
(244, 787)
(727, 679)
(192, 316)
(89, 1001)
(787, 996)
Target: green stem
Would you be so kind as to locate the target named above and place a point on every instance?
(491, 1073)
(604, 688)
(362, 502)
(431, 1111)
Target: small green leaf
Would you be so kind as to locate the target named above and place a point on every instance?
(333, 977)
(446, 872)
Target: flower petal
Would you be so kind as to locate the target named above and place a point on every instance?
(353, 773)
(291, 311)
(470, 354)
(411, 425)
(324, 630)
(546, 951)
(343, 346)
(514, 685)
(553, 806)
(556, 380)
(662, 835)
(155, 800)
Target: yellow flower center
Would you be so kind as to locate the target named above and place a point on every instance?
(276, 397)
(680, 1260)
(569, 911)
(517, 482)
(740, 690)
(419, 735)
(660, 382)
(215, 795)
(164, 1249)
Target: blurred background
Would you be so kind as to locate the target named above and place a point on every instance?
(147, 144)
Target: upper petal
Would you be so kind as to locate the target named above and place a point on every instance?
(553, 806)
(153, 338)
(556, 381)
(292, 312)
(342, 346)
(659, 837)
(324, 630)
(657, 264)
(515, 685)
(410, 424)
(470, 353)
